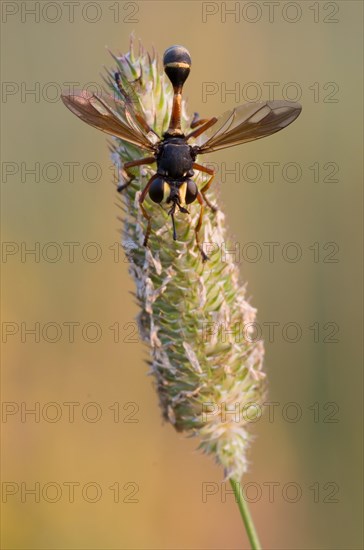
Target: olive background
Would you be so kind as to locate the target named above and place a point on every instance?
(305, 461)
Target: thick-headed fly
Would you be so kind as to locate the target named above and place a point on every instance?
(174, 155)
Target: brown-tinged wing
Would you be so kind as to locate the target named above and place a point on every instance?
(247, 123)
(110, 116)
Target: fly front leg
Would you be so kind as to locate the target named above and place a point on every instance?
(147, 216)
(131, 164)
(198, 227)
(211, 172)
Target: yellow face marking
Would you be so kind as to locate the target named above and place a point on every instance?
(166, 191)
(182, 193)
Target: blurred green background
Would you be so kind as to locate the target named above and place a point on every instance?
(137, 483)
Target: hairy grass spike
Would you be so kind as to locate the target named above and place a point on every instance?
(194, 315)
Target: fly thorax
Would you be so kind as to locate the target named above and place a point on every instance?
(175, 159)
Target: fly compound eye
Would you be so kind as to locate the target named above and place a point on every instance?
(191, 191)
(156, 190)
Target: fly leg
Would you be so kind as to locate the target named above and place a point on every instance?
(201, 126)
(211, 172)
(197, 121)
(145, 213)
(129, 102)
(198, 227)
(131, 164)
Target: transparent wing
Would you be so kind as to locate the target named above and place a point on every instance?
(111, 116)
(247, 123)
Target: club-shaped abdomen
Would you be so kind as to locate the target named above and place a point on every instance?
(177, 65)
(156, 190)
(191, 191)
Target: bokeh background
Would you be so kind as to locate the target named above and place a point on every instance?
(136, 483)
